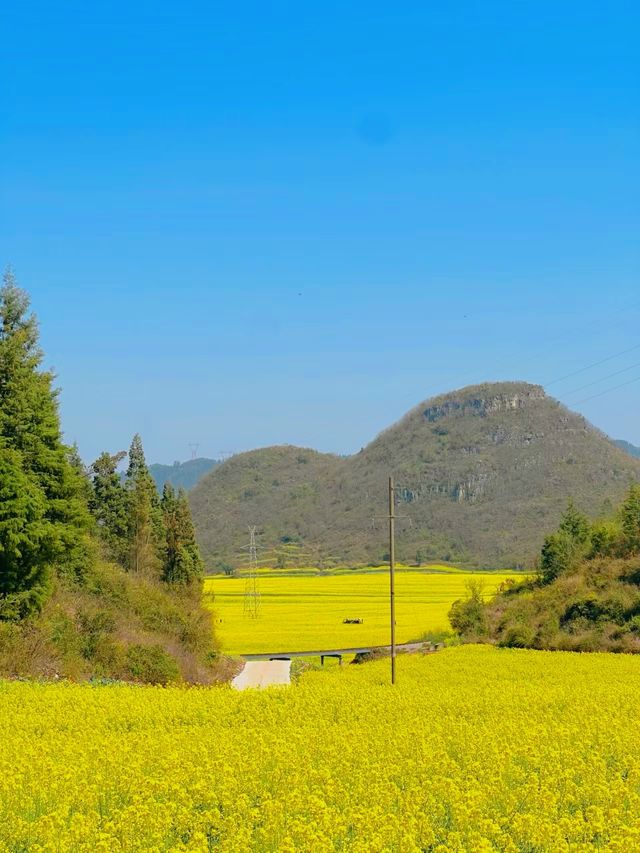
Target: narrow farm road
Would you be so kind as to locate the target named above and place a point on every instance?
(263, 673)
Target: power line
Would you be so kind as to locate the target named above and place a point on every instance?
(590, 366)
(602, 378)
(575, 331)
(609, 390)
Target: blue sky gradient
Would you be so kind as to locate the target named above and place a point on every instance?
(247, 224)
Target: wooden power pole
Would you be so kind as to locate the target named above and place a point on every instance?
(392, 570)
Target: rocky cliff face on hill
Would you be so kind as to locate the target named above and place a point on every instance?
(482, 474)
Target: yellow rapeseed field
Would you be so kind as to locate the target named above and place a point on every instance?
(301, 612)
(475, 749)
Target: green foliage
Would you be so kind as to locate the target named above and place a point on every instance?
(630, 521)
(151, 665)
(182, 560)
(605, 539)
(563, 549)
(558, 554)
(575, 524)
(146, 533)
(226, 569)
(26, 540)
(46, 522)
(109, 503)
(86, 617)
(587, 598)
(86, 631)
(467, 616)
(519, 636)
(593, 608)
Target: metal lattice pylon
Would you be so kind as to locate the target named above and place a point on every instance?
(251, 589)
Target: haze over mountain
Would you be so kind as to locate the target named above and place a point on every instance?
(628, 447)
(483, 474)
(181, 474)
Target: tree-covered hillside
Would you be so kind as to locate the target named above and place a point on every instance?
(481, 474)
(98, 577)
(585, 596)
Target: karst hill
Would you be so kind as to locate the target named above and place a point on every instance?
(483, 474)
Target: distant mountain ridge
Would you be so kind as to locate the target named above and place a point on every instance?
(182, 474)
(483, 474)
(628, 447)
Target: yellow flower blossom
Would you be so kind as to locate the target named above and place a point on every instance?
(475, 749)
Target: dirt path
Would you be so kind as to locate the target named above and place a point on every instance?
(263, 673)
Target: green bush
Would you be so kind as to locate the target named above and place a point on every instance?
(468, 616)
(563, 550)
(151, 665)
(592, 609)
(518, 635)
(93, 627)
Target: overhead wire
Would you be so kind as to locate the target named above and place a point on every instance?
(608, 390)
(591, 366)
(602, 378)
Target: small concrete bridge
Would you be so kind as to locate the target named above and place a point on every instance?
(339, 653)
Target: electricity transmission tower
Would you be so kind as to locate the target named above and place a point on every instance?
(251, 590)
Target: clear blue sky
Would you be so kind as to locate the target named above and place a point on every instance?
(254, 223)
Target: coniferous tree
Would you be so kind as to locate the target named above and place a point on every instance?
(109, 503)
(26, 540)
(36, 458)
(575, 524)
(183, 563)
(83, 473)
(567, 546)
(630, 518)
(146, 532)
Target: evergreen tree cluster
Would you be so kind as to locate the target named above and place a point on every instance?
(585, 597)
(44, 520)
(50, 508)
(147, 535)
(577, 539)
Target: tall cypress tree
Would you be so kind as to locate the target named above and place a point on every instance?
(183, 563)
(146, 531)
(26, 540)
(630, 517)
(49, 506)
(109, 504)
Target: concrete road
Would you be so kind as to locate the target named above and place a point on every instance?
(263, 673)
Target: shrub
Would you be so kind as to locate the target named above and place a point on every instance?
(630, 519)
(564, 549)
(605, 537)
(467, 616)
(518, 635)
(151, 665)
(592, 609)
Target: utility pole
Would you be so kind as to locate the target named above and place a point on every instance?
(392, 570)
